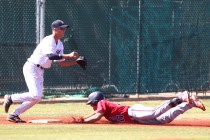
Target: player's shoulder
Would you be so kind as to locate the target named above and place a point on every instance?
(47, 40)
(49, 37)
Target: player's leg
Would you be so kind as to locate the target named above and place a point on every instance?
(14, 116)
(25, 104)
(168, 116)
(34, 80)
(139, 112)
(183, 97)
(171, 114)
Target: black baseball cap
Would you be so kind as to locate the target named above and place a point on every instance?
(59, 24)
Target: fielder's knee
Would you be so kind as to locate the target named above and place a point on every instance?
(37, 98)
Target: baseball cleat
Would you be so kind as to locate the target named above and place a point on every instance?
(197, 103)
(15, 118)
(186, 97)
(7, 102)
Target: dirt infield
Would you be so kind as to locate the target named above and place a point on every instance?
(68, 120)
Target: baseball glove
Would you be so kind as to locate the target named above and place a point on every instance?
(82, 62)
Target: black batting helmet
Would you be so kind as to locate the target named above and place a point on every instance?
(95, 97)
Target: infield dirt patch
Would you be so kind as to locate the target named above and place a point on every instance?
(185, 122)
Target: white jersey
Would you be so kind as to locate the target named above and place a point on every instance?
(46, 46)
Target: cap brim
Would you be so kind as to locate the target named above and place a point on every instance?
(88, 102)
(64, 26)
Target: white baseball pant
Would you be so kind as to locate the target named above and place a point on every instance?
(34, 80)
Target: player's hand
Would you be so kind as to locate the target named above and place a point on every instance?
(77, 120)
(73, 55)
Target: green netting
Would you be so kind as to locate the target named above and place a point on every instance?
(174, 47)
(124, 31)
(131, 45)
(18, 36)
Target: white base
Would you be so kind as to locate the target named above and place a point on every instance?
(46, 121)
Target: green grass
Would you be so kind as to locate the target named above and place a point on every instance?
(100, 132)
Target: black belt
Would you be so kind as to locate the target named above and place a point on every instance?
(39, 66)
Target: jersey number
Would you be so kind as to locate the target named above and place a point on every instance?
(118, 118)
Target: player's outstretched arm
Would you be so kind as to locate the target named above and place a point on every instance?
(95, 117)
(61, 59)
(67, 63)
(89, 115)
(74, 55)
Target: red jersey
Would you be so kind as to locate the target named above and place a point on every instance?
(113, 111)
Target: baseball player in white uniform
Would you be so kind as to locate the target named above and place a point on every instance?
(50, 49)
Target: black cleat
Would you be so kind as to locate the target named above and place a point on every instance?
(15, 119)
(7, 102)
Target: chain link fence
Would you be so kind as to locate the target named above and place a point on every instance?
(144, 46)
(17, 41)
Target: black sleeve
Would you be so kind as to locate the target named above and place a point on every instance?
(54, 56)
